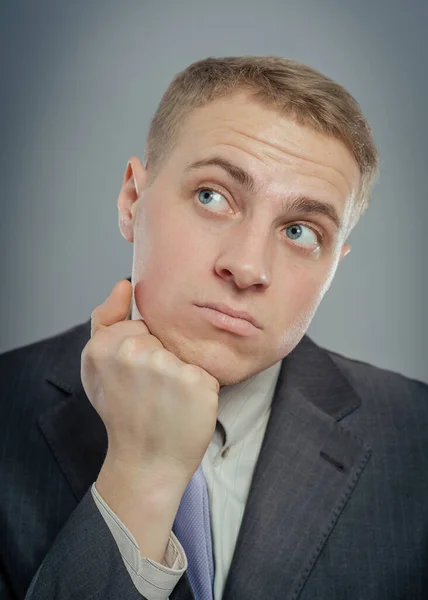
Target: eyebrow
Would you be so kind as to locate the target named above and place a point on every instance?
(301, 204)
(237, 173)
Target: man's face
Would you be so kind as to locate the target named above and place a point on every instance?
(208, 234)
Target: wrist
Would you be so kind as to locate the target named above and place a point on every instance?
(122, 481)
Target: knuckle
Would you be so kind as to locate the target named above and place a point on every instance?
(94, 351)
(126, 350)
(130, 348)
(158, 359)
(88, 351)
(191, 374)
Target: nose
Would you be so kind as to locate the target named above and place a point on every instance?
(245, 257)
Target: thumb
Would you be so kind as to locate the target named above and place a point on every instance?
(115, 307)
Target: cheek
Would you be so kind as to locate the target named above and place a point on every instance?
(159, 242)
(300, 297)
(167, 261)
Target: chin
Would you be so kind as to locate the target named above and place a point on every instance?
(218, 359)
(225, 375)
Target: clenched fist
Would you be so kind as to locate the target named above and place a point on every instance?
(159, 412)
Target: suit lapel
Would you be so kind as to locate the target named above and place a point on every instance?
(306, 471)
(78, 439)
(72, 428)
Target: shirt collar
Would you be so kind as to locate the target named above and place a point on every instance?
(241, 405)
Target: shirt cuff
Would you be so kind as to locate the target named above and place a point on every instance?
(153, 580)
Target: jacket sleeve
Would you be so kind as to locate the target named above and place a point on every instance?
(5, 593)
(84, 562)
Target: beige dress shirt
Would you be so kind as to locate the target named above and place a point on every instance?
(228, 466)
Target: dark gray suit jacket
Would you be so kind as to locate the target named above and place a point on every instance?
(338, 506)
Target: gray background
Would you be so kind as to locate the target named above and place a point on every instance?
(79, 83)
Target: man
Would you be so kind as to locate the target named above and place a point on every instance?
(198, 370)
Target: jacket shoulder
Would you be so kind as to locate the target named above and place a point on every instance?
(42, 348)
(25, 370)
(364, 371)
(383, 390)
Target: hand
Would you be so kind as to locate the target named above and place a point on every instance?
(159, 412)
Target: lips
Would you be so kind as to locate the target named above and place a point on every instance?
(232, 312)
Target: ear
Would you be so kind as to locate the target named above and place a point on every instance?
(127, 201)
(346, 249)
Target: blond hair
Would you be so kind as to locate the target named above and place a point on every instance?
(289, 87)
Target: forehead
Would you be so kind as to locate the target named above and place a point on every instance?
(276, 149)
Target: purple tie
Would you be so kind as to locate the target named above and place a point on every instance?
(192, 528)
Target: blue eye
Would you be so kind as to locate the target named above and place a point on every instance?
(294, 228)
(206, 196)
(297, 230)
